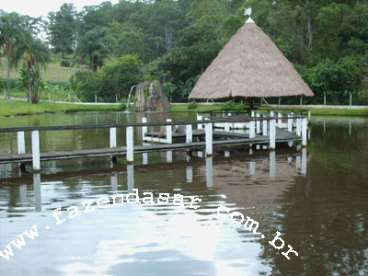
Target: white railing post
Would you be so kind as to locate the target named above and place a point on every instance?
(130, 144)
(199, 118)
(258, 123)
(304, 162)
(264, 126)
(279, 120)
(21, 142)
(144, 128)
(272, 164)
(169, 129)
(145, 158)
(272, 134)
(169, 156)
(113, 143)
(290, 122)
(188, 134)
(299, 126)
(227, 127)
(36, 162)
(304, 132)
(252, 129)
(209, 138)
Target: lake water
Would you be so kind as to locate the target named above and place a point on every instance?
(316, 197)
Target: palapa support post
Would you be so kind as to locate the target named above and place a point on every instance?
(272, 134)
(304, 132)
(169, 129)
(36, 160)
(209, 139)
(144, 128)
(130, 144)
(188, 134)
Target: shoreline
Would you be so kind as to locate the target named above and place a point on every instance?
(10, 108)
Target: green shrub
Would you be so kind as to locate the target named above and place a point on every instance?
(231, 106)
(192, 105)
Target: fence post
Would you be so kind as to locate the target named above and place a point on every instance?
(113, 143)
(189, 134)
(144, 128)
(304, 132)
(272, 134)
(130, 144)
(169, 128)
(36, 162)
(209, 139)
(21, 142)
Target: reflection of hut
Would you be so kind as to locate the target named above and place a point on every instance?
(258, 182)
(250, 66)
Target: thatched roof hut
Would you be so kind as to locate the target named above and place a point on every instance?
(250, 66)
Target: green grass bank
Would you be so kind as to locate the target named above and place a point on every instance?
(18, 108)
(315, 110)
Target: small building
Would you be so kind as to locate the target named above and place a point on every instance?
(250, 66)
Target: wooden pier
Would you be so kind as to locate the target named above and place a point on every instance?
(262, 131)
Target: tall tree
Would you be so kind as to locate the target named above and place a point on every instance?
(94, 47)
(63, 29)
(35, 56)
(12, 33)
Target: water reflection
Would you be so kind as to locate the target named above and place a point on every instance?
(37, 191)
(317, 197)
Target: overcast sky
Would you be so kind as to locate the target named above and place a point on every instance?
(37, 8)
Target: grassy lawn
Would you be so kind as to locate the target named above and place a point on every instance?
(13, 108)
(321, 111)
(54, 72)
(316, 111)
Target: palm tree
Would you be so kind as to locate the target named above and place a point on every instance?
(35, 56)
(12, 32)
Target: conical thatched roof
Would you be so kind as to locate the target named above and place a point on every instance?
(250, 65)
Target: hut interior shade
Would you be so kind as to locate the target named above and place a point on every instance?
(250, 65)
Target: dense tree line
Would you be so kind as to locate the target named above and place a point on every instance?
(174, 41)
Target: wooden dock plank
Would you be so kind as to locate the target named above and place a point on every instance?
(282, 136)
